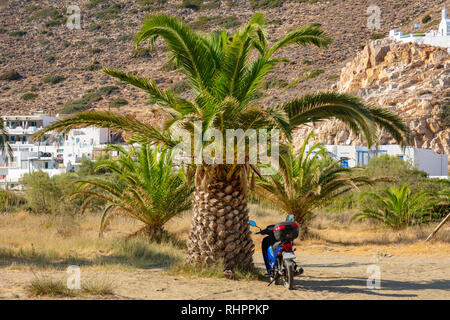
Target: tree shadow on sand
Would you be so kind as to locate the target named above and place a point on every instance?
(348, 285)
(151, 260)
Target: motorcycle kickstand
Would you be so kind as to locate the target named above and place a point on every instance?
(272, 281)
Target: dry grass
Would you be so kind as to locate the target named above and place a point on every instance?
(57, 287)
(30, 241)
(214, 271)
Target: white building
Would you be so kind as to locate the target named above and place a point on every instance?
(438, 38)
(53, 154)
(434, 164)
(444, 26)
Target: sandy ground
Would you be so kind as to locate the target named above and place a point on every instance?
(326, 276)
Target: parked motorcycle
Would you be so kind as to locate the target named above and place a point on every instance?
(278, 252)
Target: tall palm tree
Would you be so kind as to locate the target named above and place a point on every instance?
(145, 187)
(225, 72)
(308, 181)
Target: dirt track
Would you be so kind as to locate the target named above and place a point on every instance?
(326, 277)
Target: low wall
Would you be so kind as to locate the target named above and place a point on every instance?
(436, 41)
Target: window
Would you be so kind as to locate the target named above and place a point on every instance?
(45, 165)
(344, 163)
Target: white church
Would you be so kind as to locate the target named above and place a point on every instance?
(438, 38)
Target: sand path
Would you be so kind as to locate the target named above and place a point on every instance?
(326, 277)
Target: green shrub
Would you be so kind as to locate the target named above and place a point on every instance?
(376, 36)
(444, 116)
(333, 77)
(32, 8)
(91, 97)
(53, 79)
(43, 13)
(265, 3)
(192, 4)
(10, 75)
(75, 106)
(54, 23)
(2, 30)
(125, 37)
(180, 87)
(149, 2)
(94, 66)
(108, 13)
(95, 50)
(426, 18)
(49, 195)
(93, 3)
(141, 52)
(395, 167)
(17, 33)
(229, 22)
(88, 167)
(276, 21)
(272, 82)
(85, 102)
(102, 40)
(315, 73)
(387, 166)
(94, 27)
(50, 59)
(118, 102)
(11, 201)
(29, 96)
(107, 90)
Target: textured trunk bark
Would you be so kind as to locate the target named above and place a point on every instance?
(303, 226)
(220, 229)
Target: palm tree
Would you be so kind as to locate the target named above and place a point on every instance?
(396, 208)
(225, 72)
(308, 181)
(144, 186)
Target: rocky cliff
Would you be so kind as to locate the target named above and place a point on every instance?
(58, 66)
(411, 80)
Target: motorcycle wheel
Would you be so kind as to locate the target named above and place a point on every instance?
(288, 277)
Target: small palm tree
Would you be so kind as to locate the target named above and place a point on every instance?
(308, 181)
(396, 208)
(145, 187)
(225, 72)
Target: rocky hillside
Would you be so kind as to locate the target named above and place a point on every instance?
(46, 66)
(411, 80)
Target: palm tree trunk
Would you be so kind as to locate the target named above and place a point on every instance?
(303, 226)
(220, 229)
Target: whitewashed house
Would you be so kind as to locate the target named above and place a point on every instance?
(434, 164)
(53, 154)
(438, 38)
(444, 26)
